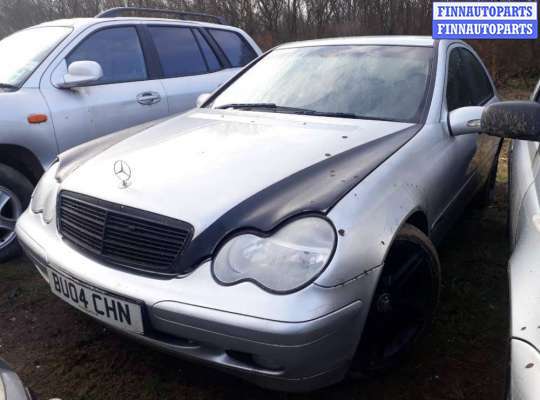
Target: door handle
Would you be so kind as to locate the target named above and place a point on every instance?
(148, 98)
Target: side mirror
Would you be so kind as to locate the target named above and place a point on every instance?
(512, 119)
(81, 73)
(202, 99)
(465, 120)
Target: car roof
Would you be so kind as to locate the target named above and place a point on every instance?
(83, 22)
(424, 41)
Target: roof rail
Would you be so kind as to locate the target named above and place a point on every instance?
(116, 12)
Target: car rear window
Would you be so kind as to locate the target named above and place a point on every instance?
(236, 49)
(178, 51)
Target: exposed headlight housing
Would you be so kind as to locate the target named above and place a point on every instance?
(44, 196)
(283, 262)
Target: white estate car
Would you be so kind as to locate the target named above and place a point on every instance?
(283, 231)
(65, 82)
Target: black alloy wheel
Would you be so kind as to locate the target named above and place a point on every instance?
(403, 306)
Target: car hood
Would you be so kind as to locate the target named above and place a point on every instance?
(202, 165)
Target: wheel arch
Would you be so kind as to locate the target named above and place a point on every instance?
(22, 160)
(368, 229)
(418, 219)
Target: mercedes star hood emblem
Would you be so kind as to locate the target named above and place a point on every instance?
(123, 172)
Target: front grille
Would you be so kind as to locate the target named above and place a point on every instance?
(121, 235)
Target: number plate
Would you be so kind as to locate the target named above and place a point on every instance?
(114, 310)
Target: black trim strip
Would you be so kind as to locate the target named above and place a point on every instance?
(151, 55)
(315, 189)
(215, 47)
(199, 46)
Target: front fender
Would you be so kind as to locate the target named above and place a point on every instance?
(15, 130)
(367, 221)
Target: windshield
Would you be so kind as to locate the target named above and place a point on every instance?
(22, 52)
(372, 82)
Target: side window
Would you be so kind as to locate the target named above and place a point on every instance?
(117, 50)
(237, 50)
(480, 86)
(457, 88)
(178, 51)
(209, 55)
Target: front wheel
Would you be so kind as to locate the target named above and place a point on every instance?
(403, 306)
(15, 192)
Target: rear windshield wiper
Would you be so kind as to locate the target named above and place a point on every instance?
(291, 110)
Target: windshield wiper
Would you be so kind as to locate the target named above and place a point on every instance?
(291, 110)
(8, 86)
(328, 114)
(244, 106)
(299, 111)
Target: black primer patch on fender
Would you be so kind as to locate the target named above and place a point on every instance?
(314, 189)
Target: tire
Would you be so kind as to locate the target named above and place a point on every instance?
(403, 305)
(15, 193)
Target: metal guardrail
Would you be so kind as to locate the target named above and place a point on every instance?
(186, 15)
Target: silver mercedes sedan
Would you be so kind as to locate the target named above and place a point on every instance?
(284, 230)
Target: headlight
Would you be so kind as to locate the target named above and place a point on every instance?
(283, 262)
(44, 196)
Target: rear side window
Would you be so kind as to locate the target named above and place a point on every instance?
(209, 55)
(117, 50)
(457, 90)
(480, 86)
(178, 51)
(236, 49)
